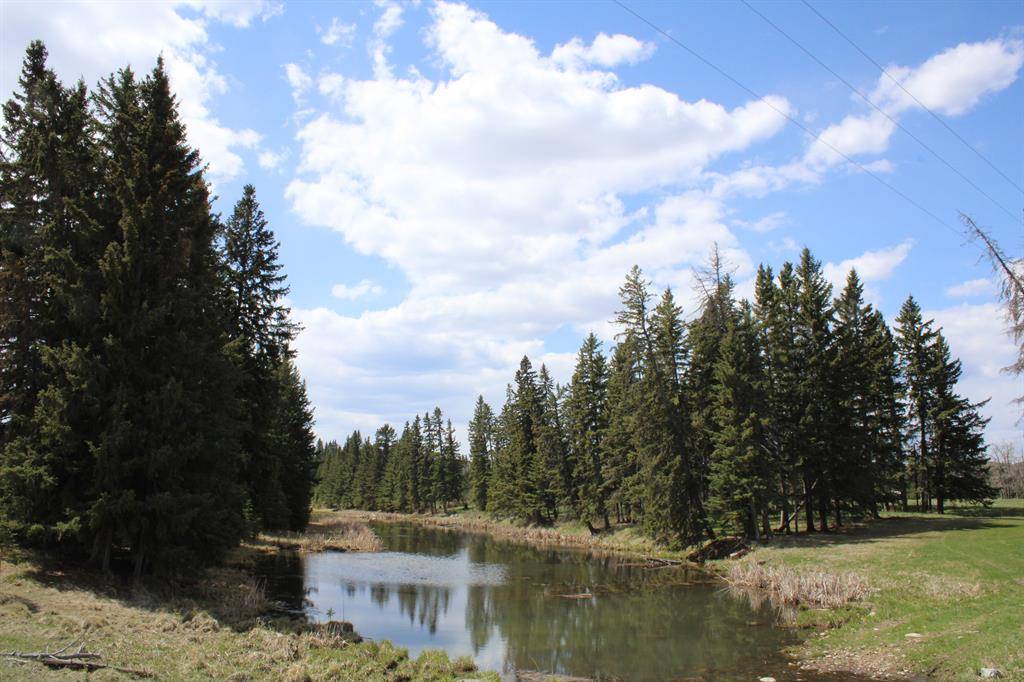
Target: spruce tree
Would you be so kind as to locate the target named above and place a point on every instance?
(49, 292)
(814, 349)
(855, 425)
(586, 425)
(168, 386)
(555, 474)
(958, 466)
(915, 339)
(481, 448)
(742, 472)
(292, 430)
(621, 470)
(886, 415)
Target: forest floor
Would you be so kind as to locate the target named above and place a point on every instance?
(938, 597)
(218, 627)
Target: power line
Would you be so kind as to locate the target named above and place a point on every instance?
(798, 124)
(880, 110)
(913, 97)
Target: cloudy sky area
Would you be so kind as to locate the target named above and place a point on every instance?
(456, 185)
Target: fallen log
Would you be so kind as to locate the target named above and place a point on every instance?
(79, 660)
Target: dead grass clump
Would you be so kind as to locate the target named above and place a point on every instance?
(787, 587)
(341, 536)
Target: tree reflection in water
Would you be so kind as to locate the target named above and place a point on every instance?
(514, 607)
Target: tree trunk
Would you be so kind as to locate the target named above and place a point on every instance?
(809, 505)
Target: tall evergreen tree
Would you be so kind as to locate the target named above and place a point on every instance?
(49, 293)
(587, 422)
(481, 448)
(742, 471)
(555, 468)
(915, 339)
(853, 375)
(621, 469)
(254, 289)
(167, 384)
(814, 349)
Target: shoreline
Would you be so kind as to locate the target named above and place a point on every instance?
(866, 607)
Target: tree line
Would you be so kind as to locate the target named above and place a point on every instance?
(149, 407)
(789, 412)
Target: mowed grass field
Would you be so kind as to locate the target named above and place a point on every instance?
(946, 593)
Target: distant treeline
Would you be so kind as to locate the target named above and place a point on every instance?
(787, 413)
(149, 407)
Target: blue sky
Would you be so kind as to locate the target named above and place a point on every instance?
(455, 184)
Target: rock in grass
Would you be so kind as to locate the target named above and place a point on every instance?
(989, 673)
(766, 679)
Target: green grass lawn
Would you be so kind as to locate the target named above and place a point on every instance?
(955, 584)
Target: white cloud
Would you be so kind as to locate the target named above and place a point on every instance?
(872, 267)
(352, 292)
(951, 82)
(853, 136)
(298, 79)
(238, 13)
(387, 23)
(607, 51)
(973, 287)
(766, 223)
(331, 84)
(338, 33)
(954, 81)
(92, 39)
(505, 216)
(271, 160)
(977, 335)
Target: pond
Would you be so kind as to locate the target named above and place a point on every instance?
(514, 607)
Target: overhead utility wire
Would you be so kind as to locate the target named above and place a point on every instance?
(913, 97)
(880, 110)
(789, 118)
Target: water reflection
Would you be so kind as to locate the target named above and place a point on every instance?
(512, 607)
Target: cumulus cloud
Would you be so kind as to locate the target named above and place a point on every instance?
(606, 51)
(506, 215)
(872, 267)
(977, 335)
(92, 39)
(972, 287)
(355, 291)
(951, 82)
(954, 81)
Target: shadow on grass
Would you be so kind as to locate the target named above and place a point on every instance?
(230, 594)
(993, 512)
(888, 527)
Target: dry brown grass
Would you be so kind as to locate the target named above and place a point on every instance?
(621, 540)
(788, 587)
(323, 535)
(214, 629)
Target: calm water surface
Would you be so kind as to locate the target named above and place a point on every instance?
(513, 607)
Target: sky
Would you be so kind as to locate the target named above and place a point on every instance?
(457, 185)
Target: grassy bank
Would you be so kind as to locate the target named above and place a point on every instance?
(219, 627)
(622, 539)
(941, 596)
